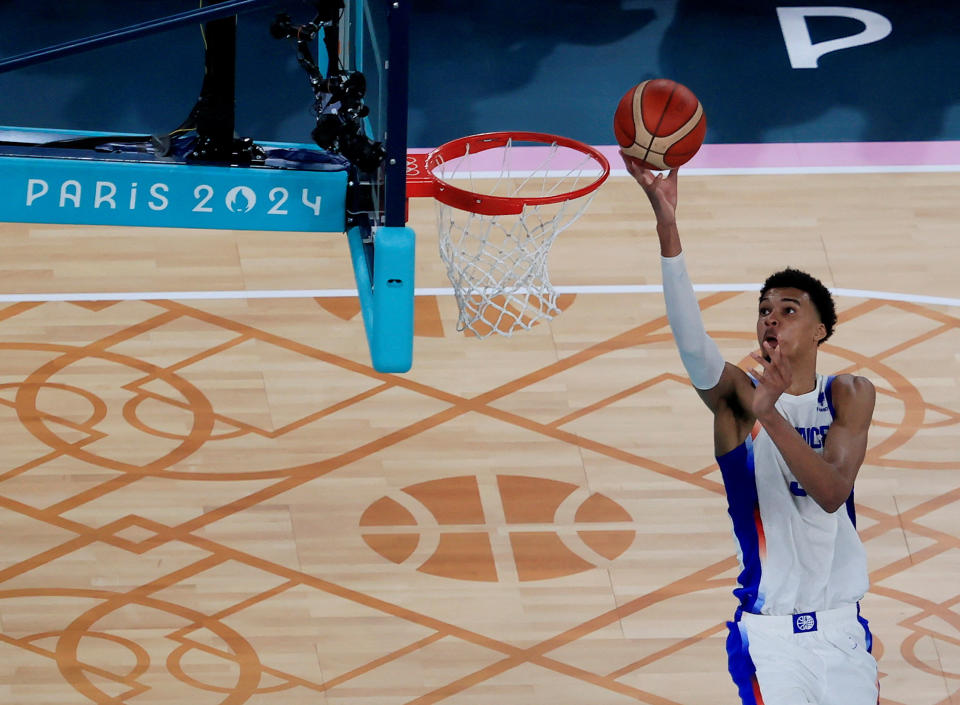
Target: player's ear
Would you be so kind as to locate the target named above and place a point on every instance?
(820, 333)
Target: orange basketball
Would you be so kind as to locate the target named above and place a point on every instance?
(660, 124)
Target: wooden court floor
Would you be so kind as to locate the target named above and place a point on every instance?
(218, 502)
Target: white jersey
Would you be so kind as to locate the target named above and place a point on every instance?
(794, 556)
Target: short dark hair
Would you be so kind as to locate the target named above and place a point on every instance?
(819, 294)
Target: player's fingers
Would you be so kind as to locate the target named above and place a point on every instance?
(771, 353)
(635, 169)
(629, 163)
(777, 354)
(643, 176)
(781, 363)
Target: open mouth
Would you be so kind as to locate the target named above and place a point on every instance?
(771, 341)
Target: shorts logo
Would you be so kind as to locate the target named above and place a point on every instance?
(806, 622)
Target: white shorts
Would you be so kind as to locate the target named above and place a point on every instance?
(818, 658)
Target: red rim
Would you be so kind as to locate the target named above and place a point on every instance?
(484, 204)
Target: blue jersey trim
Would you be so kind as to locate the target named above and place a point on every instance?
(743, 506)
(828, 391)
(852, 510)
(741, 666)
(866, 630)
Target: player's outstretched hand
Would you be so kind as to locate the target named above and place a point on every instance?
(662, 191)
(772, 381)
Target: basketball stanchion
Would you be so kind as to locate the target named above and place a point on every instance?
(502, 199)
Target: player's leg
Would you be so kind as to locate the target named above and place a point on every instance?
(851, 675)
(783, 681)
(740, 664)
(768, 668)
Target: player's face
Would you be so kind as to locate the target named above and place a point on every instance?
(787, 319)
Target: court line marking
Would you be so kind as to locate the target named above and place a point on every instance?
(439, 291)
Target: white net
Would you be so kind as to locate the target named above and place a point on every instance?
(498, 264)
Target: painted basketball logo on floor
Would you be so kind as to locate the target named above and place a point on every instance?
(522, 528)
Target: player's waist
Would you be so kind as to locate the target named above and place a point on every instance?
(802, 622)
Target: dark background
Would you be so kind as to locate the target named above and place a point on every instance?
(545, 65)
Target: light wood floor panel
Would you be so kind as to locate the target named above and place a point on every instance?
(220, 502)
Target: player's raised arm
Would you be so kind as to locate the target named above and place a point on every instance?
(662, 192)
(716, 382)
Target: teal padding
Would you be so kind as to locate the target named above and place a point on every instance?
(386, 294)
(158, 194)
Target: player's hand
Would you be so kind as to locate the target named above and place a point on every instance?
(662, 191)
(772, 381)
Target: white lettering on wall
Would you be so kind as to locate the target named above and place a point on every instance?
(804, 54)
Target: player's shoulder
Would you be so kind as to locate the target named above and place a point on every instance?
(852, 384)
(848, 390)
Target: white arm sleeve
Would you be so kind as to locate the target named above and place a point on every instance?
(699, 353)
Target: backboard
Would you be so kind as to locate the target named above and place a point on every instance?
(202, 176)
(374, 41)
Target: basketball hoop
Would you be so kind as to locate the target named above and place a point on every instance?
(514, 193)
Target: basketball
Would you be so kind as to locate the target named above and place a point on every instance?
(660, 124)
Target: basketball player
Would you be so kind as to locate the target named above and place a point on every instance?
(789, 443)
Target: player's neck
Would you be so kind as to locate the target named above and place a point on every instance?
(804, 376)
